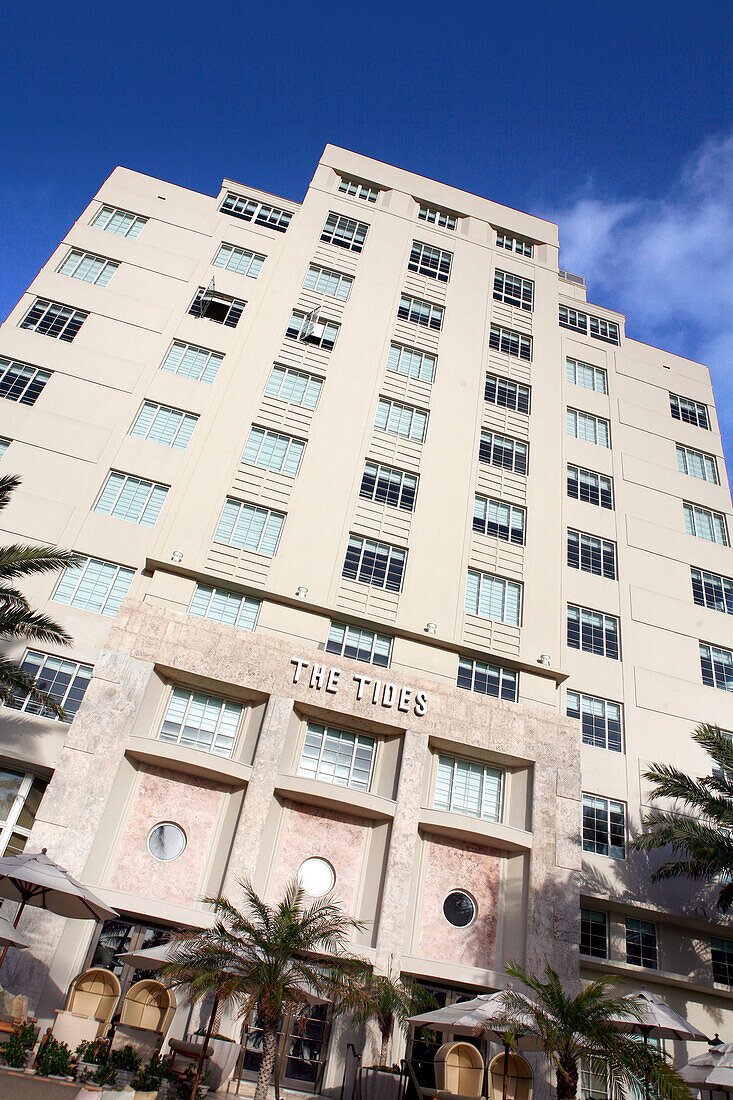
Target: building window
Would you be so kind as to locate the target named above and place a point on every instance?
(166, 841)
(161, 424)
(593, 632)
(466, 787)
(604, 330)
(94, 585)
(64, 681)
(359, 645)
(326, 281)
(375, 563)
(514, 244)
(273, 451)
(704, 524)
(510, 342)
(493, 597)
(717, 667)
(713, 591)
(310, 329)
(54, 319)
(191, 362)
(593, 933)
(420, 312)
(591, 555)
(604, 826)
(427, 260)
(316, 877)
(120, 222)
(222, 606)
(20, 797)
(252, 210)
(20, 382)
(600, 720)
(433, 216)
(722, 958)
(592, 429)
(641, 943)
(344, 232)
(240, 260)
(579, 322)
(217, 307)
(594, 1079)
(588, 486)
(411, 362)
(493, 680)
(386, 485)
(294, 386)
(335, 756)
(513, 290)
(500, 520)
(4, 444)
(249, 527)
(131, 498)
(358, 190)
(198, 721)
(459, 908)
(586, 375)
(88, 267)
(506, 394)
(697, 464)
(500, 450)
(689, 411)
(404, 420)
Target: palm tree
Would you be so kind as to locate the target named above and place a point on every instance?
(704, 841)
(265, 960)
(585, 1026)
(17, 618)
(386, 1000)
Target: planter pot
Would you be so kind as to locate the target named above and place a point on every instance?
(166, 1091)
(123, 1078)
(220, 1066)
(85, 1070)
(140, 1095)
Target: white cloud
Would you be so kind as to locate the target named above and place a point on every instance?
(667, 263)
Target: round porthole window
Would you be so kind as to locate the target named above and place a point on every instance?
(316, 876)
(459, 908)
(166, 841)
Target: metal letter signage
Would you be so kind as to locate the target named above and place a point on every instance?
(368, 690)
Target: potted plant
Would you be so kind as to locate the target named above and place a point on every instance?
(90, 1055)
(125, 1062)
(148, 1079)
(225, 1052)
(18, 1051)
(54, 1060)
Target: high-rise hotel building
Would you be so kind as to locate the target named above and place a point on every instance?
(400, 562)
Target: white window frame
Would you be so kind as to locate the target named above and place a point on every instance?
(610, 625)
(450, 796)
(328, 281)
(493, 445)
(33, 378)
(588, 427)
(254, 210)
(611, 806)
(430, 261)
(344, 232)
(471, 671)
(121, 574)
(405, 421)
(209, 369)
(10, 825)
(514, 244)
(177, 691)
(489, 511)
(357, 190)
(411, 362)
(155, 497)
(285, 379)
(418, 311)
(697, 519)
(514, 290)
(43, 309)
(168, 427)
(394, 558)
(433, 215)
(578, 704)
(697, 464)
(715, 589)
(244, 609)
(270, 532)
(26, 703)
(718, 657)
(127, 224)
(510, 342)
(242, 261)
(87, 267)
(322, 767)
(589, 377)
(275, 451)
(343, 636)
(505, 393)
(311, 329)
(689, 411)
(583, 471)
(496, 598)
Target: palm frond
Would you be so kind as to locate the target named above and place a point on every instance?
(8, 483)
(16, 686)
(17, 560)
(24, 623)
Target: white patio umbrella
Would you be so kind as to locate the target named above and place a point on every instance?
(149, 958)
(9, 936)
(721, 1075)
(486, 1014)
(697, 1071)
(658, 1020)
(34, 879)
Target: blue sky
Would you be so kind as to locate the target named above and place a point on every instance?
(614, 119)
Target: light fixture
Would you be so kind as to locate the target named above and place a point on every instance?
(177, 556)
(431, 628)
(544, 660)
(301, 592)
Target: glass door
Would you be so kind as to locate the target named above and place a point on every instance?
(302, 1044)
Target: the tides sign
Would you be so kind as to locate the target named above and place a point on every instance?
(380, 693)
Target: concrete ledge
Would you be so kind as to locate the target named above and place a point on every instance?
(489, 833)
(435, 970)
(654, 977)
(315, 793)
(178, 758)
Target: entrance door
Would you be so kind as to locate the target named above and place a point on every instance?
(302, 1044)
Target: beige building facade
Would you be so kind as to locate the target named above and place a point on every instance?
(401, 562)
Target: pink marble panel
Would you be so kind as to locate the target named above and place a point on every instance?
(317, 831)
(162, 795)
(459, 865)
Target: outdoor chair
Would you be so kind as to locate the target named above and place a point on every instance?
(148, 1009)
(90, 1004)
(519, 1078)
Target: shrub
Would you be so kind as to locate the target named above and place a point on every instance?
(126, 1058)
(150, 1077)
(19, 1045)
(92, 1051)
(184, 1085)
(54, 1058)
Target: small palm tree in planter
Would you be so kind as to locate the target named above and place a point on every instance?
(387, 1001)
(584, 1026)
(265, 960)
(19, 1047)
